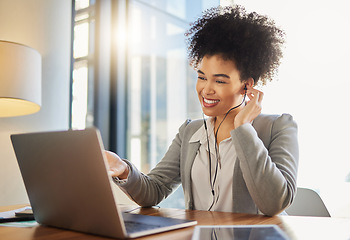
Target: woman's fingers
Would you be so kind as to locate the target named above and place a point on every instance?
(252, 108)
(255, 94)
(117, 167)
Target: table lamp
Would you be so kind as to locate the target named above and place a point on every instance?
(20, 79)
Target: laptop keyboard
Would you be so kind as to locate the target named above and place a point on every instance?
(132, 227)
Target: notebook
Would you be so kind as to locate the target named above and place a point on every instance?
(66, 178)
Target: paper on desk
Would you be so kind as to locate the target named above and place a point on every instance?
(12, 213)
(22, 224)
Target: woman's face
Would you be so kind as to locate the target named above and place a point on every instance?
(219, 87)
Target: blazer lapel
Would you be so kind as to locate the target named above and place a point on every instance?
(186, 178)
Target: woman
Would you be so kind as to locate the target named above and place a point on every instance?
(237, 160)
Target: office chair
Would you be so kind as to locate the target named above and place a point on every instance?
(307, 202)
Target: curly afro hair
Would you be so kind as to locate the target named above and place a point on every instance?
(251, 40)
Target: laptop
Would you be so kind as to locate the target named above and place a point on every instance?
(66, 177)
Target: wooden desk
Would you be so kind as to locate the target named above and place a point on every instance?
(295, 227)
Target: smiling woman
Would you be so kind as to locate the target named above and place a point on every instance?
(254, 166)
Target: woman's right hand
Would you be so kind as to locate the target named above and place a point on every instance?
(117, 167)
(252, 109)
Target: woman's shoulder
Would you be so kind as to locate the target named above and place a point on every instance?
(267, 125)
(271, 119)
(189, 127)
(192, 125)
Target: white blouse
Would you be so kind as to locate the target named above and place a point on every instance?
(202, 192)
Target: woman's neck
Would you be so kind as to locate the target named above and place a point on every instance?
(224, 124)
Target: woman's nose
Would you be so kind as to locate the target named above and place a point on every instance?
(208, 88)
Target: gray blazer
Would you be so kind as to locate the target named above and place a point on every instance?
(264, 175)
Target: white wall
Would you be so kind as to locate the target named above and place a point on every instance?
(46, 26)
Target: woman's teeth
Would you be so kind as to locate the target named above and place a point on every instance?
(210, 101)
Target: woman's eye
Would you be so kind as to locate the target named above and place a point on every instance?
(201, 78)
(221, 82)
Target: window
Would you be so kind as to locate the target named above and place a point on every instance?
(161, 89)
(148, 64)
(82, 79)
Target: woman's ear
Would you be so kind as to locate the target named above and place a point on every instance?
(247, 83)
(250, 82)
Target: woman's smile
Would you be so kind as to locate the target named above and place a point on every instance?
(210, 102)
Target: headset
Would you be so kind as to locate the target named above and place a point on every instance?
(212, 183)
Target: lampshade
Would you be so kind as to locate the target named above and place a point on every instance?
(20, 79)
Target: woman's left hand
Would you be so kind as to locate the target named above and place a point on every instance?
(252, 109)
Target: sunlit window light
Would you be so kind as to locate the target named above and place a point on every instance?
(81, 40)
(80, 84)
(81, 4)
